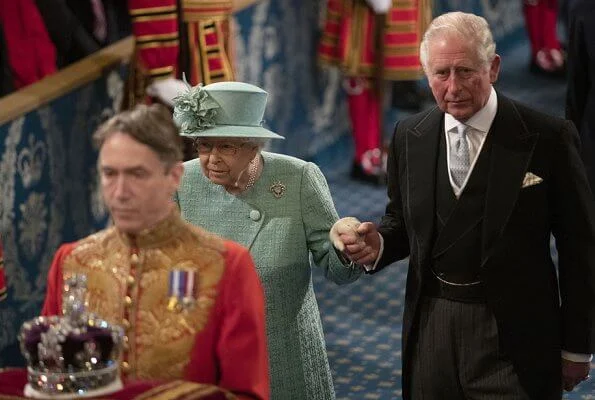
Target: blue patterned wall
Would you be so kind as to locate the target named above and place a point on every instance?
(48, 186)
(504, 16)
(275, 45)
(48, 194)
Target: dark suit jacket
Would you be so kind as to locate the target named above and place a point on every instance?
(516, 268)
(580, 98)
(70, 25)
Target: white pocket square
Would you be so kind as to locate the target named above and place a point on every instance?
(530, 180)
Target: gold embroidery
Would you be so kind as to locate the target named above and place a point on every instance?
(152, 10)
(160, 341)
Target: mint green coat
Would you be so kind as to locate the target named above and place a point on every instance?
(281, 233)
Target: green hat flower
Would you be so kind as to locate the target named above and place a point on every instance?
(222, 109)
(194, 110)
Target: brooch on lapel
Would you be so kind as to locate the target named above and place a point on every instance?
(182, 290)
(278, 189)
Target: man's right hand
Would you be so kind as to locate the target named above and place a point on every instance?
(360, 242)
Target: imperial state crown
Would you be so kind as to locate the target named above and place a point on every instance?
(74, 355)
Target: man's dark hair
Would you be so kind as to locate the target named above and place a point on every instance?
(150, 125)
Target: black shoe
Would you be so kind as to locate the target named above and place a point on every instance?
(358, 174)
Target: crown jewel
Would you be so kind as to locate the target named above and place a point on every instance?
(76, 354)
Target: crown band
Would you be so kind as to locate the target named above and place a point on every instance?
(50, 383)
(76, 355)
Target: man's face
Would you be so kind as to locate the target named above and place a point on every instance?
(460, 82)
(137, 186)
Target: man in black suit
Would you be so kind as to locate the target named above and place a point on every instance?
(476, 186)
(580, 97)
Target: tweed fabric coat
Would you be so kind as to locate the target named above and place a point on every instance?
(281, 233)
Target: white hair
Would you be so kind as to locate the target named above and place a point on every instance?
(473, 28)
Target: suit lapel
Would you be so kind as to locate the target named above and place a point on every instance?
(422, 152)
(512, 147)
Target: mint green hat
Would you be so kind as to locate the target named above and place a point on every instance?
(222, 109)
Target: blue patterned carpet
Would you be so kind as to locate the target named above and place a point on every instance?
(363, 320)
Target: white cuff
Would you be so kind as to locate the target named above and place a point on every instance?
(368, 267)
(576, 357)
(379, 6)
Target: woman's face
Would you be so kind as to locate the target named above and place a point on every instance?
(225, 160)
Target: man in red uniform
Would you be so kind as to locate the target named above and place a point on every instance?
(370, 42)
(180, 36)
(190, 302)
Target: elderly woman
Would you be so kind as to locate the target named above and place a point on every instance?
(280, 208)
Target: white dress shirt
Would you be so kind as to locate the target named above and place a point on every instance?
(478, 127)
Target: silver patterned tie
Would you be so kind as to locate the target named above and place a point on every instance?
(459, 156)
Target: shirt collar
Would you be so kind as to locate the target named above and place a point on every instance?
(481, 120)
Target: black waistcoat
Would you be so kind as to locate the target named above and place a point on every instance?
(458, 223)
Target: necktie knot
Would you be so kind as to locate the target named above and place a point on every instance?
(462, 130)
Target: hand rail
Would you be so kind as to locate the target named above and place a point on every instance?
(65, 80)
(75, 75)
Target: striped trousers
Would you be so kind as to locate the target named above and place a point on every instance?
(456, 355)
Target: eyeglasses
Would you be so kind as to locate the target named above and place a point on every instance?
(228, 149)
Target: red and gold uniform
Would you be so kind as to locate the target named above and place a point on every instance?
(181, 36)
(369, 48)
(218, 339)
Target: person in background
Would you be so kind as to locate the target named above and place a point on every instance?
(477, 185)
(175, 37)
(541, 19)
(30, 53)
(371, 42)
(280, 208)
(79, 28)
(209, 329)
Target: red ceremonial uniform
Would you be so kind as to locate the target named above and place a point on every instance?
(171, 39)
(368, 48)
(219, 339)
(31, 53)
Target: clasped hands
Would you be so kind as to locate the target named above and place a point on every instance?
(358, 241)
